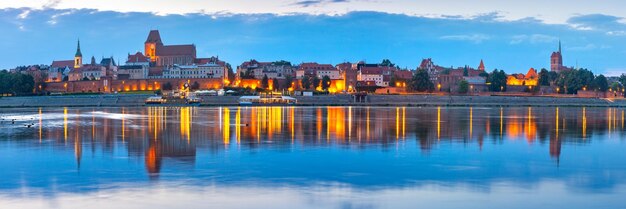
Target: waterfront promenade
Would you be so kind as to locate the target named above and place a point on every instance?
(112, 100)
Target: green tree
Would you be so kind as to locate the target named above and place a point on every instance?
(306, 82)
(325, 82)
(85, 78)
(392, 81)
(282, 62)
(316, 82)
(463, 87)
(421, 81)
(387, 62)
(16, 83)
(465, 72)
(553, 76)
(616, 86)
(600, 83)
(265, 82)
(288, 81)
(573, 80)
(167, 86)
(195, 85)
(544, 77)
(497, 81)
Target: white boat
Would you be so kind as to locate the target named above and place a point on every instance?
(156, 100)
(258, 100)
(193, 100)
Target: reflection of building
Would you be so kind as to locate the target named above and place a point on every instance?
(160, 135)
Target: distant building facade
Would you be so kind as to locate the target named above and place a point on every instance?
(273, 70)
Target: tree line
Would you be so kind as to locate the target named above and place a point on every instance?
(569, 81)
(16, 83)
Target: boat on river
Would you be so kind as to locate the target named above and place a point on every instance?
(267, 101)
(155, 100)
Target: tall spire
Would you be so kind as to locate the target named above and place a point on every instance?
(78, 53)
(481, 66)
(559, 46)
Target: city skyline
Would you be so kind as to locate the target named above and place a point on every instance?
(502, 40)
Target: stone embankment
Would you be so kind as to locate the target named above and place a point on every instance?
(112, 100)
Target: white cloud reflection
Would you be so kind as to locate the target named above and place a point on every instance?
(547, 194)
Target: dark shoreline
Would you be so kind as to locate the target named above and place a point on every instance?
(111, 100)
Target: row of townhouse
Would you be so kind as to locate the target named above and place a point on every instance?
(351, 73)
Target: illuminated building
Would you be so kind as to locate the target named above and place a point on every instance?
(78, 57)
(258, 70)
(530, 79)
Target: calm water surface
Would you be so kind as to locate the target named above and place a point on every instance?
(312, 157)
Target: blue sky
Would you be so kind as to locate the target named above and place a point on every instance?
(326, 31)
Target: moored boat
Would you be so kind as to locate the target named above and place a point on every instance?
(266, 101)
(156, 100)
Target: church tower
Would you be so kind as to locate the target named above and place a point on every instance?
(152, 43)
(556, 60)
(481, 66)
(78, 57)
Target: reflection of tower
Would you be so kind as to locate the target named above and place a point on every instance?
(555, 149)
(153, 159)
(179, 146)
(78, 57)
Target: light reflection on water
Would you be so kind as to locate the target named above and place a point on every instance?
(312, 156)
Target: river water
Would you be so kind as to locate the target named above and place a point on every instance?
(313, 157)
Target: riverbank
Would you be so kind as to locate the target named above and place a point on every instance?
(111, 100)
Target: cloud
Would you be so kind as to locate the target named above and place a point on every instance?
(616, 33)
(533, 39)
(610, 72)
(298, 37)
(474, 38)
(51, 4)
(598, 22)
(587, 47)
(310, 3)
(54, 19)
(509, 11)
(24, 14)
